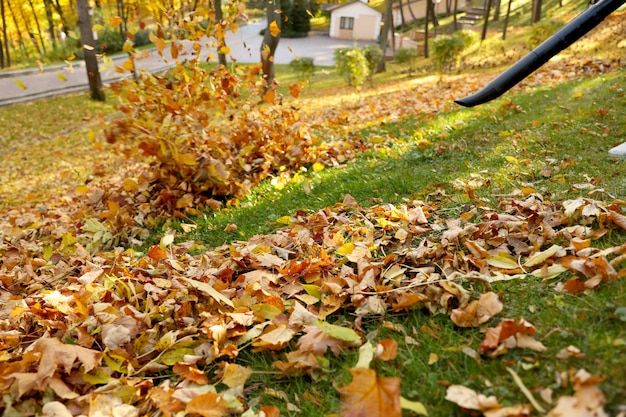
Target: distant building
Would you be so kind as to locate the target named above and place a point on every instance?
(416, 9)
(354, 20)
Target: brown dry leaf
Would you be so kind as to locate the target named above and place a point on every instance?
(318, 341)
(469, 399)
(387, 349)
(478, 311)
(369, 396)
(587, 401)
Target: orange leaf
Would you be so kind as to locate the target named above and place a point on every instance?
(295, 89)
(269, 97)
(156, 253)
(369, 396)
(115, 21)
(387, 349)
(269, 411)
(208, 405)
(174, 50)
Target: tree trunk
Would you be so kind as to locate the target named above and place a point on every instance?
(486, 23)
(385, 35)
(536, 14)
(456, 10)
(53, 35)
(402, 19)
(89, 50)
(5, 39)
(411, 11)
(506, 20)
(39, 32)
(426, 29)
(270, 42)
(31, 35)
(221, 41)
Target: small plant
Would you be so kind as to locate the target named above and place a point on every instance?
(406, 56)
(373, 54)
(304, 67)
(468, 37)
(352, 65)
(445, 51)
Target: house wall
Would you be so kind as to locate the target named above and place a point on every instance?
(366, 22)
(419, 10)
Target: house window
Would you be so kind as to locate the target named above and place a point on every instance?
(347, 23)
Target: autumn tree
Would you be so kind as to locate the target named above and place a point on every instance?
(89, 51)
(270, 42)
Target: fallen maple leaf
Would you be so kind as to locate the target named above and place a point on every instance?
(478, 311)
(208, 405)
(369, 396)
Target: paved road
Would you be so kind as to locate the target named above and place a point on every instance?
(245, 46)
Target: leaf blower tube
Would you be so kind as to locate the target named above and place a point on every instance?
(566, 36)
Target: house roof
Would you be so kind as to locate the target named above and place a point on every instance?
(334, 7)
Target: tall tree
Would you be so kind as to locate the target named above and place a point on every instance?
(89, 50)
(486, 21)
(270, 41)
(221, 41)
(53, 35)
(536, 13)
(5, 38)
(39, 31)
(20, 38)
(384, 36)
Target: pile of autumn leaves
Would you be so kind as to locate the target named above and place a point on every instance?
(98, 331)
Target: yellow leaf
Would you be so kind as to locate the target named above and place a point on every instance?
(346, 249)
(433, 358)
(318, 167)
(338, 332)
(20, 84)
(187, 159)
(158, 42)
(61, 77)
(541, 257)
(502, 261)
(284, 220)
(414, 406)
(224, 50)
(235, 375)
(208, 289)
(578, 95)
(512, 159)
(97, 28)
(274, 29)
(313, 290)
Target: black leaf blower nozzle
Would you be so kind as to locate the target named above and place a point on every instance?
(566, 36)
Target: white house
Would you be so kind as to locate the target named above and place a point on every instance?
(355, 20)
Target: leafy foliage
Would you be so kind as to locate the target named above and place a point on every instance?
(446, 50)
(352, 64)
(373, 54)
(304, 66)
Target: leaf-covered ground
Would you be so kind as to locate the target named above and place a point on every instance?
(86, 330)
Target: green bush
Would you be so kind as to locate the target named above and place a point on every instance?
(541, 31)
(405, 55)
(304, 67)
(142, 37)
(352, 65)
(445, 50)
(373, 54)
(468, 37)
(109, 40)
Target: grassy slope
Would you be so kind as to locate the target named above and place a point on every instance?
(558, 137)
